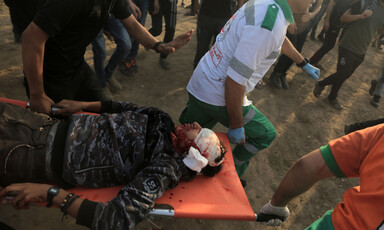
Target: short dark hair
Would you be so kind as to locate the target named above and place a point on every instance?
(209, 171)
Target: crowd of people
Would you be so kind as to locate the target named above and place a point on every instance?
(140, 147)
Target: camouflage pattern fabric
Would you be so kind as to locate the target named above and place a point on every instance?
(125, 145)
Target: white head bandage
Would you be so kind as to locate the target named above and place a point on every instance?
(194, 160)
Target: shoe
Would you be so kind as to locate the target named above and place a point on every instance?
(128, 68)
(164, 63)
(107, 93)
(334, 103)
(283, 79)
(318, 89)
(243, 183)
(375, 101)
(275, 80)
(114, 84)
(373, 87)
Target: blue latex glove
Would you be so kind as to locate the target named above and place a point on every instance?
(312, 71)
(236, 136)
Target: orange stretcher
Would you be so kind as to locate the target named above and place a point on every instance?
(221, 197)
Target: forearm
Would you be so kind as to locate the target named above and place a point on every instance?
(33, 43)
(139, 32)
(329, 11)
(289, 50)
(317, 7)
(234, 96)
(301, 177)
(73, 209)
(348, 17)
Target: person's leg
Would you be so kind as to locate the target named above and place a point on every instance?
(143, 5)
(23, 138)
(169, 12)
(377, 90)
(123, 44)
(329, 43)
(198, 111)
(86, 86)
(204, 33)
(259, 133)
(316, 20)
(99, 55)
(278, 76)
(347, 64)
(129, 66)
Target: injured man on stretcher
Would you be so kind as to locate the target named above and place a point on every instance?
(138, 147)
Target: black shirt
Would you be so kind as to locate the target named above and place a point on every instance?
(72, 25)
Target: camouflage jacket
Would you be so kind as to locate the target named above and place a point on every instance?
(127, 145)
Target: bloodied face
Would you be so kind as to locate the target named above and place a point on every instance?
(184, 136)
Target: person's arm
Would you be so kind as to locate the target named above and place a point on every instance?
(349, 17)
(147, 40)
(32, 51)
(234, 96)
(301, 176)
(135, 9)
(68, 107)
(289, 50)
(328, 13)
(28, 193)
(309, 15)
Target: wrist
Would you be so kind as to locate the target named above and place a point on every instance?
(52, 192)
(303, 63)
(157, 45)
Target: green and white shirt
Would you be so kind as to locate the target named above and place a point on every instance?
(246, 47)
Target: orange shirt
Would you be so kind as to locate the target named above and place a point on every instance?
(359, 154)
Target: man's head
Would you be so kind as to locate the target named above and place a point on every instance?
(201, 148)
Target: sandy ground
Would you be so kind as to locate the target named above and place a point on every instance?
(302, 121)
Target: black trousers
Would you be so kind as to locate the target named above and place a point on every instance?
(347, 63)
(284, 62)
(207, 30)
(23, 141)
(328, 44)
(168, 9)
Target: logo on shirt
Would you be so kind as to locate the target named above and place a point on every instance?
(226, 27)
(216, 55)
(151, 185)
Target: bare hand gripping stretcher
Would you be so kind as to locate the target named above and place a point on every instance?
(221, 197)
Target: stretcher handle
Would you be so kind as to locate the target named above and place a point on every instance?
(262, 217)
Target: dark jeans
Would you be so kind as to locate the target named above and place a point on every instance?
(346, 64)
(284, 62)
(315, 21)
(328, 44)
(207, 28)
(168, 9)
(143, 5)
(82, 85)
(23, 140)
(123, 45)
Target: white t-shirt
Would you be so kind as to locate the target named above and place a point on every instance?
(243, 50)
